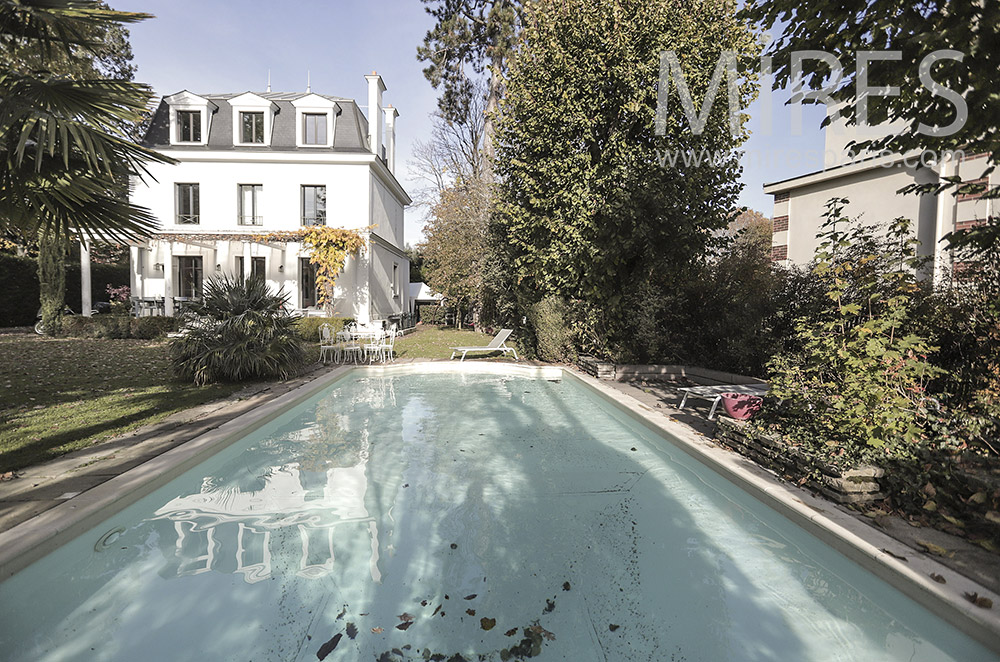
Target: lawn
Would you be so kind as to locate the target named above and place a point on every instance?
(60, 395)
(434, 342)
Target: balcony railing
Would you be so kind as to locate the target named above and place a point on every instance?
(188, 219)
(314, 220)
(250, 220)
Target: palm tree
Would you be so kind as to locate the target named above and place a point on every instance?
(64, 148)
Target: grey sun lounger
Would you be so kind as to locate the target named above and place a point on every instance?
(714, 393)
(498, 344)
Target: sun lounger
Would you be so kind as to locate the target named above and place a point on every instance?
(498, 344)
(714, 393)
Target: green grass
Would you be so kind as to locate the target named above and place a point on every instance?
(433, 342)
(60, 395)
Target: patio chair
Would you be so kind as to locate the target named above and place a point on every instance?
(714, 393)
(350, 346)
(373, 349)
(498, 344)
(327, 343)
(387, 345)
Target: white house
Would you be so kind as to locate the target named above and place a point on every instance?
(256, 163)
(871, 185)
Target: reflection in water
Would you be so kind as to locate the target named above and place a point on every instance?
(290, 496)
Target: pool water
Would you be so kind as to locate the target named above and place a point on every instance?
(451, 517)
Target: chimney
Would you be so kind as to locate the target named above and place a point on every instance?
(390, 137)
(375, 89)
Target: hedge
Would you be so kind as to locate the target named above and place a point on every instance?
(19, 291)
(119, 326)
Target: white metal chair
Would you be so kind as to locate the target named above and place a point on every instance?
(350, 346)
(327, 343)
(373, 349)
(387, 347)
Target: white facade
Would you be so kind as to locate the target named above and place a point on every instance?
(871, 186)
(254, 164)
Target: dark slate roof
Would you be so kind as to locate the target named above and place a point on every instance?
(351, 130)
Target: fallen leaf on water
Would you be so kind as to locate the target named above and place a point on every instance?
(470, 612)
(565, 586)
(538, 629)
(328, 647)
(613, 627)
(470, 597)
(404, 625)
(406, 618)
(938, 578)
(487, 623)
(352, 631)
(511, 632)
(377, 630)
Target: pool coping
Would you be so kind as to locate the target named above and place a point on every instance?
(893, 561)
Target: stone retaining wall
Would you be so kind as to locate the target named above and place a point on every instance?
(858, 485)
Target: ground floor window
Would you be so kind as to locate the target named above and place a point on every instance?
(257, 269)
(240, 271)
(307, 282)
(189, 275)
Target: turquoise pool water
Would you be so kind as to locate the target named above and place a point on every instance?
(422, 517)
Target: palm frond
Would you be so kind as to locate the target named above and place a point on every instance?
(58, 23)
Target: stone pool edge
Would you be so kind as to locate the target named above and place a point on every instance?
(875, 551)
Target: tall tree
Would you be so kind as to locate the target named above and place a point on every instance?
(455, 244)
(453, 154)
(65, 146)
(586, 210)
(474, 37)
(908, 32)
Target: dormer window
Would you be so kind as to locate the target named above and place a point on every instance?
(190, 118)
(314, 128)
(252, 127)
(189, 126)
(253, 120)
(315, 120)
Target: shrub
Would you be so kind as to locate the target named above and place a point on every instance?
(431, 313)
(308, 327)
(553, 337)
(147, 328)
(860, 378)
(241, 331)
(118, 326)
(19, 296)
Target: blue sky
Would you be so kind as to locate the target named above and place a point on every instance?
(212, 46)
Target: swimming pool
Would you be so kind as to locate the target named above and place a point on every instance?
(423, 516)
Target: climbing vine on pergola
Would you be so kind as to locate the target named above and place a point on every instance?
(330, 249)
